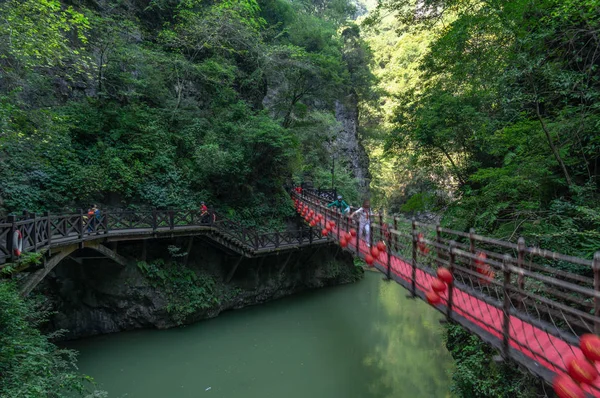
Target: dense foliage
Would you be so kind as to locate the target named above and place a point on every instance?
(171, 103)
(30, 365)
(492, 107)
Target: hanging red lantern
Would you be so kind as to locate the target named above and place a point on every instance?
(313, 223)
(445, 275)
(481, 257)
(432, 297)
(375, 252)
(348, 236)
(369, 260)
(328, 228)
(343, 242)
(421, 244)
(487, 271)
(353, 232)
(582, 371)
(325, 232)
(438, 285)
(332, 224)
(381, 246)
(565, 387)
(590, 346)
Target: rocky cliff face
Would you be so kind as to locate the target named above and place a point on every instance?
(99, 297)
(350, 147)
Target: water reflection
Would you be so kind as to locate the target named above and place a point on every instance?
(361, 340)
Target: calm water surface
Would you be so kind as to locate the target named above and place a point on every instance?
(361, 340)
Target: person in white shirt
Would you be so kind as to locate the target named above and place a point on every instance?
(364, 214)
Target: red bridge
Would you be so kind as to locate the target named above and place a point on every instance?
(514, 297)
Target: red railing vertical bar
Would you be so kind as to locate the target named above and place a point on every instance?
(413, 286)
(596, 269)
(506, 262)
(450, 301)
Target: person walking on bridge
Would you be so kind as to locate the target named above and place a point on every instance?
(364, 214)
(342, 206)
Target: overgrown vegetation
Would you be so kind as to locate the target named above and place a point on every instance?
(477, 375)
(30, 365)
(186, 291)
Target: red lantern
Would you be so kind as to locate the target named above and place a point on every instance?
(343, 242)
(445, 275)
(565, 387)
(421, 244)
(325, 232)
(485, 270)
(438, 285)
(353, 232)
(369, 260)
(590, 346)
(381, 246)
(332, 224)
(348, 236)
(374, 252)
(328, 228)
(313, 223)
(481, 257)
(432, 297)
(582, 371)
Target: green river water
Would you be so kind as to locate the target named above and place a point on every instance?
(361, 340)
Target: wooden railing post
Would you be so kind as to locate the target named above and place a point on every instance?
(413, 286)
(380, 226)
(506, 264)
(48, 228)
(171, 220)
(438, 240)
(596, 269)
(106, 218)
(395, 235)
(521, 277)
(80, 223)
(471, 246)
(154, 220)
(451, 260)
(34, 232)
(389, 256)
(12, 219)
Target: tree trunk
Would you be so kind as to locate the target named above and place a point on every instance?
(551, 143)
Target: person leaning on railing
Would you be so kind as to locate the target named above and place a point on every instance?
(342, 206)
(364, 214)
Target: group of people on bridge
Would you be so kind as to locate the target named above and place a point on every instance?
(363, 213)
